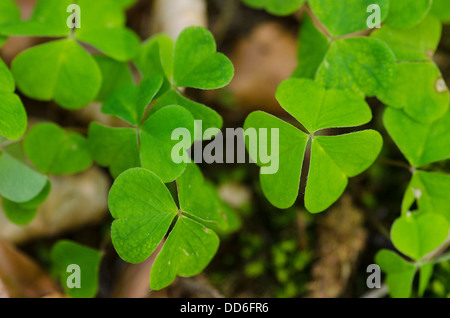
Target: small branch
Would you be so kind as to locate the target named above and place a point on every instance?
(394, 163)
(377, 293)
(317, 23)
(197, 287)
(437, 252)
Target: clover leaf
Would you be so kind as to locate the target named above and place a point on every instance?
(64, 255)
(197, 199)
(24, 212)
(400, 273)
(313, 45)
(148, 144)
(62, 70)
(129, 103)
(13, 118)
(361, 64)
(276, 7)
(116, 148)
(191, 61)
(413, 44)
(196, 62)
(418, 89)
(18, 182)
(415, 235)
(156, 57)
(119, 43)
(404, 14)
(419, 233)
(157, 144)
(341, 18)
(144, 210)
(49, 19)
(9, 12)
(209, 117)
(125, 3)
(441, 9)
(55, 151)
(421, 144)
(430, 190)
(115, 75)
(333, 158)
(187, 251)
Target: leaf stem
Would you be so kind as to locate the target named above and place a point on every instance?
(394, 163)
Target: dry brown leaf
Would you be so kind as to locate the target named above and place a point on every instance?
(74, 201)
(21, 277)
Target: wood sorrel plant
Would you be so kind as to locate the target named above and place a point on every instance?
(341, 63)
(338, 68)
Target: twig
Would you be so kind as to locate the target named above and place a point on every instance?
(394, 163)
(197, 287)
(377, 293)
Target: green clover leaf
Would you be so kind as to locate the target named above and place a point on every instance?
(156, 57)
(418, 89)
(62, 70)
(189, 248)
(441, 9)
(313, 46)
(9, 12)
(361, 64)
(144, 210)
(332, 157)
(193, 62)
(66, 253)
(116, 148)
(276, 7)
(415, 235)
(148, 145)
(414, 44)
(404, 14)
(129, 103)
(197, 199)
(341, 18)
(196, 62)
(209, 117)
(422, 144)
(115, 75)
(24, 212)
(400, 273)
(419, 233)
(13, 118)
(157, 143)
(49, 19)
(55, 151)
(18, 182)
(430, 189)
